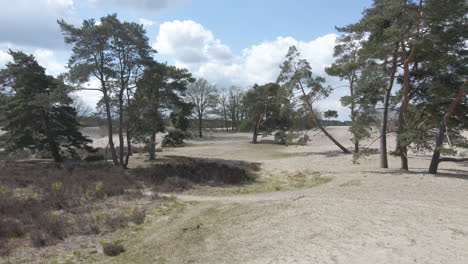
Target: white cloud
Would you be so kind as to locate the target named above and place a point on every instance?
(146, 22)
(45, 57)
(4, 58)
(194, 47)
(189, 42)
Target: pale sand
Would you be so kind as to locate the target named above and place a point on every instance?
(364, 215)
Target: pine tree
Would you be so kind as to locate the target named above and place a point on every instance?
(347, 67)
(160, 90)
(296, 74)
(38, 114)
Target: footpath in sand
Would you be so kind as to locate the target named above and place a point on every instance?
(364, 215)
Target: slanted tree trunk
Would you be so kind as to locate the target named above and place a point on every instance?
(152, 146)
(259, 122)
(443, 129)
(256, 128)
(317, 122)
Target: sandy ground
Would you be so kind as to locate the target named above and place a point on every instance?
(365, 215)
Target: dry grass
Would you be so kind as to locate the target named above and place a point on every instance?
(269, 182)
(48, 203)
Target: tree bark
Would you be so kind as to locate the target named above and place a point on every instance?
(383, 129)
(401, 148)
(225, 119)
(442, 128)
(129, 148)
(121, 137)
(200, 126)
(255, 132)
(53, 147)
(384, 122)
(109, 124)
(152, 146)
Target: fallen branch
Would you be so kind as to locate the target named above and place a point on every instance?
(453, 159)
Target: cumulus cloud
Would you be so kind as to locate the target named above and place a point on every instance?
(194, 47)
(189, 42)
(4, 58)
(45, 57)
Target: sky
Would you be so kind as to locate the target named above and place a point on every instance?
(227, 42)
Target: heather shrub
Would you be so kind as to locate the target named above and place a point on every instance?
(112, 249)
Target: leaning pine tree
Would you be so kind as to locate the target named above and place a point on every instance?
(296, 74)
(37, 113)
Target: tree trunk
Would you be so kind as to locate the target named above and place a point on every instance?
(54, 151)
(384, 122)
(225, 119)
(438, 144)
(353, 112)
(255, 132)
(402, 149)
(129, 148)
(443, 127)
(121, 137)
(317, 122)
(53, 147)
(383, 129)
(345, 150)
(200, 126)
(152, 146)
(353, 119)
(109, 125)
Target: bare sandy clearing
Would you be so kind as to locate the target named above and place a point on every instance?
(364, 215)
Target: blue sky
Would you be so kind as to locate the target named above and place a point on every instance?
(227, 42)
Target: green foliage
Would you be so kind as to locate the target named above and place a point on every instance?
(270, 105)
(330, 114)
(160, 91)
(38, 114)
(175, 138)
(296, 74)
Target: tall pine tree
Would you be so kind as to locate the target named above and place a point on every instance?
(38, 114)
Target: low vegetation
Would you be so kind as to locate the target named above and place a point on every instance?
(269, 182)
(182, 172)
(48, 204)
(42, 204)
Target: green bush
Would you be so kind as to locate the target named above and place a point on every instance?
(175, 138)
